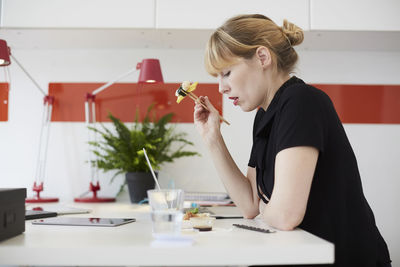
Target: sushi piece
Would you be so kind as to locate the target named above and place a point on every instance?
(184, 90)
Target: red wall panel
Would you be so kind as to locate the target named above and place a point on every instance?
(123, 99)
(354, 103)
(4, 101)
(365, 103)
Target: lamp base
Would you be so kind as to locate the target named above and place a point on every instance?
(94, 199)
(41, 200)
(38, 187)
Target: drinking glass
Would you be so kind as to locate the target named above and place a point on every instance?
(166, 211)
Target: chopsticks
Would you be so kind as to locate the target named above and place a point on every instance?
(197, 99)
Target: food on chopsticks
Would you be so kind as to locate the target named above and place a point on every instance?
(186, 89)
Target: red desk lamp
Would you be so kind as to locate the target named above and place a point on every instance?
(150, 72)
(5, 53)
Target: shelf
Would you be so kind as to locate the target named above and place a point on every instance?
(183, 39)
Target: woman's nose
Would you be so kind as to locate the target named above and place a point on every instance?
(223, 88)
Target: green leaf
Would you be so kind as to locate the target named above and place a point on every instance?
(122, 150)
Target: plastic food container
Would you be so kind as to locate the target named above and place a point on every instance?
(202, 223)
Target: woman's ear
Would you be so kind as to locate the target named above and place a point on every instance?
(264, 56)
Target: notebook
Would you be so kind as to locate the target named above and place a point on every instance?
(208, 198)
(59, 209)
(222, 212)
(205, 196)
(37, 214)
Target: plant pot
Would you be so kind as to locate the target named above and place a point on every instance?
(138, 184)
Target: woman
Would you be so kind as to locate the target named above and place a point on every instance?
(302, 170)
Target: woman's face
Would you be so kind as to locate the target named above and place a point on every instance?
(244, 83)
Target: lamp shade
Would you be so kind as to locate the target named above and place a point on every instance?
(4, 54)
(150, 71)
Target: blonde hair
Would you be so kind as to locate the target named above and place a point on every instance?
(240, 36)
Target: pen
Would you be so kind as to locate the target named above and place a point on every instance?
(252, 228)
(227, 217)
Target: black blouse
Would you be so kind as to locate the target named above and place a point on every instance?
(301, 115)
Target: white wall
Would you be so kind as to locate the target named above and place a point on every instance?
(377, 147)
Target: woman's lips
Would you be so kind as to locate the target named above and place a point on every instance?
(235, 100)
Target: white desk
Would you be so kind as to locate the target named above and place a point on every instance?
(130, 244)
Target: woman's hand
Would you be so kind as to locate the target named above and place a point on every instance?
(207, 122)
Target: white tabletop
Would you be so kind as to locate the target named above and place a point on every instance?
(131, 244)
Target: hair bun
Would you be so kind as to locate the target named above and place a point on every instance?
(293, 32)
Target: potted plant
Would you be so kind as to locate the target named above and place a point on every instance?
(123, 150)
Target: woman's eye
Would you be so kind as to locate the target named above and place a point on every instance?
(227, 74)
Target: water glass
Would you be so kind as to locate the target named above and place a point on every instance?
(166, 211)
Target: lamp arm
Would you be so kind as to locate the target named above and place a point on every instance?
(29, 76)
(101, 88)
(90, 119)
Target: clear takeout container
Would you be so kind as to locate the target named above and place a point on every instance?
(202, 223)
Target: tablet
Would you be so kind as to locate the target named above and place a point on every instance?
(77, 221)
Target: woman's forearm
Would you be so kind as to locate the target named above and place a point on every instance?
(237, 185)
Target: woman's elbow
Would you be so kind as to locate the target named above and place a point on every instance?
(249, 215)
(286, 226)
(286, 222)
(250, 212)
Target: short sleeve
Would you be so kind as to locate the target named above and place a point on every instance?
(301, 120)
(252, 160)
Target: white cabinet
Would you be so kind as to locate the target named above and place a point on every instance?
(78, 14)
(355, 15)
(210, 14)
(328, 24)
